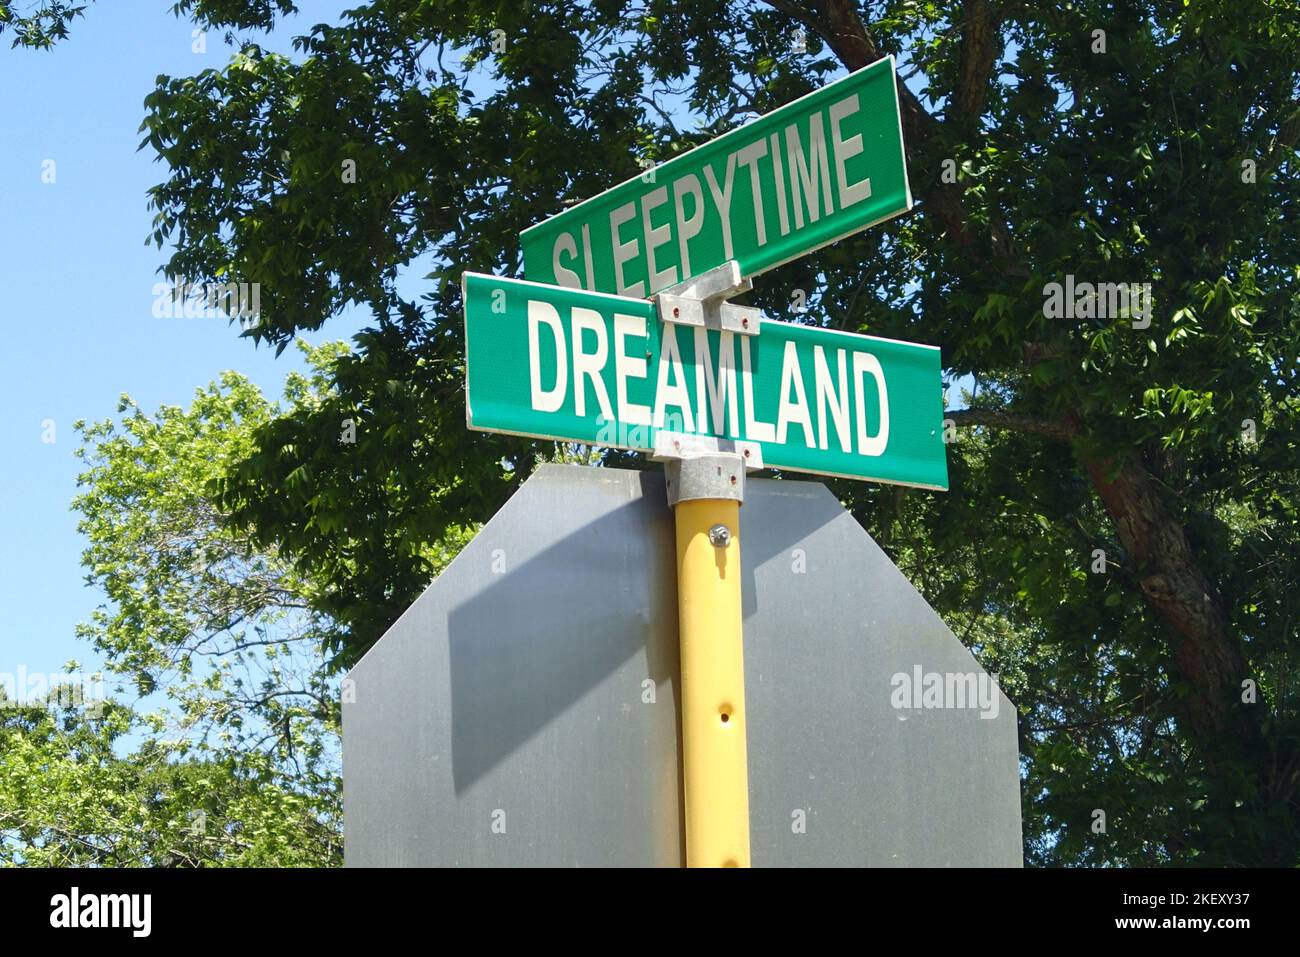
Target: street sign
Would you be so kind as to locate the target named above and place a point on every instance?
(525, 710)
(557, 363)
(531, 682)
(816, 170)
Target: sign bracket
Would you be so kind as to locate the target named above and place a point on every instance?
(702, 302)
(675, 446)
(719, 476)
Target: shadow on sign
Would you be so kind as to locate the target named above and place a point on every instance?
(554, 625)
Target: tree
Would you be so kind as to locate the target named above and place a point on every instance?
(41, 27)
(73, 794)
(1136, 142)
(230, 754)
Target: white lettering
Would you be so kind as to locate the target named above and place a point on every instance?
(722, 200)
(808, 171)
(778, 171)
(624, 252)
(589, 365)
(845, 149)
(628, 367)
(656, 237)
(563, 275)
(864, 362)
(670, 363)
(717, 388)
(796, 411)
(687, 229)
(544, 400)
(756, 430)
(838, 403)
(749, 156)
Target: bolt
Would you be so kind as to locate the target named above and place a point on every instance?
(744, 323)
(720, 536)
(677, 313)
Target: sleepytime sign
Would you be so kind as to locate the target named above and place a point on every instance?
(565, 364)
(814, 171)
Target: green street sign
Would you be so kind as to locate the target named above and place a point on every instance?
(565, 364)
(814, 171)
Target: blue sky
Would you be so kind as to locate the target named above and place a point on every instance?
(78, 326)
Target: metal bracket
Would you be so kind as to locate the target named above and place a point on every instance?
(720, 476)
(702, 301)
(704, 466)
(678, 445)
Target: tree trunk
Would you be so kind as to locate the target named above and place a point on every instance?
(1207, 655)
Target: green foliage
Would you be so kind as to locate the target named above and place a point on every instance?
(42, 27)
(231, 754)
(69, 797)
(229, 630)
(368, 516)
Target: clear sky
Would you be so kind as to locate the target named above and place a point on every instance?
(77, 305)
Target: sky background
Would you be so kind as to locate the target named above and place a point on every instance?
(77, 305)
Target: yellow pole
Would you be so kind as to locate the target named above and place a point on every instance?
(713, 683)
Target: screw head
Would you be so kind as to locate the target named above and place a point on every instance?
(720, 536)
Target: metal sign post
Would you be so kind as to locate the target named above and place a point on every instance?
(706, 487)
(705, 492)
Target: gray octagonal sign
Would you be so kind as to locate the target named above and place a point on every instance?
(523, 711)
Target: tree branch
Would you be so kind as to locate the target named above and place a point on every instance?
(979, 49)
(998, 419)
(838, 23)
